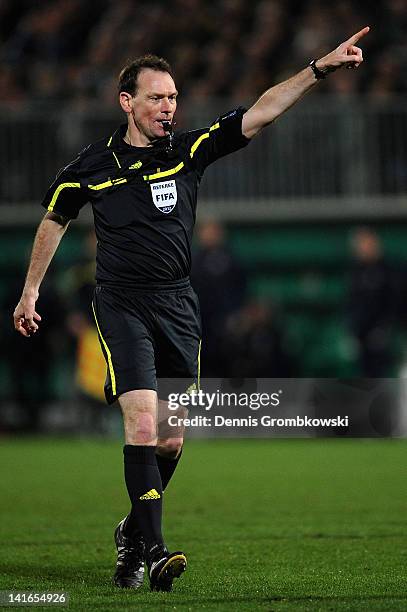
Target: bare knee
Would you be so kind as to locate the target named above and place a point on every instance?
(140, 428)
(139, 417)
(169, 447)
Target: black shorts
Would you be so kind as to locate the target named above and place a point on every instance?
(148, 334)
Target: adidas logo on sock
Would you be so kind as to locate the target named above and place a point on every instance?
(152, 494)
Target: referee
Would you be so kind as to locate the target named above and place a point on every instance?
(142, 183)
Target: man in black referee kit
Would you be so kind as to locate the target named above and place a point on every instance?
(142, 183)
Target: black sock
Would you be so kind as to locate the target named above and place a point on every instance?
(145, 490)
(167, 466)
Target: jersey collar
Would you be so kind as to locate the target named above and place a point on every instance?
(116, 141)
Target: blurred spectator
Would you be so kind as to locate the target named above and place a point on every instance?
(79, 284)
(220, 283)
(63, 49)
(252, 345)
(372, 304)
(31, 364)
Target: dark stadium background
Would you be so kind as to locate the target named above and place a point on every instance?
(300, 258)
(300, 261)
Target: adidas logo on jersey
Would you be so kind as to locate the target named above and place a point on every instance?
(152, 494)
(136, 166)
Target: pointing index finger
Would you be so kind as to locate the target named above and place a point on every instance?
(354, 39)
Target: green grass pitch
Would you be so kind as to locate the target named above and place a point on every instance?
(266, 525)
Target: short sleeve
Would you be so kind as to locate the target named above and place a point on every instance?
(66, 196)
(224, 136)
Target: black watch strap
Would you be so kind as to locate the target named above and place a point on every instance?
(318, 73)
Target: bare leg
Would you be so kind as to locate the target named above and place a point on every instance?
(170, 438)
(139, 410)
(143, 480)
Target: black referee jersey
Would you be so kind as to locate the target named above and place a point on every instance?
(143, 199)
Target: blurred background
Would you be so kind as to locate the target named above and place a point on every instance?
(300, 257)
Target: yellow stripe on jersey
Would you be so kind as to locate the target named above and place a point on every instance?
(108, 353)
(117, 161)
(108, 183)
(150, 177)
(58, 191)
(198, 141)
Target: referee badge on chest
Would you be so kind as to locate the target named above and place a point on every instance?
(164, 195)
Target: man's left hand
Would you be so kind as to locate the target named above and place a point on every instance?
(347, 54)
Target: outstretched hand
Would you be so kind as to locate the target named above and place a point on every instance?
(347, 54)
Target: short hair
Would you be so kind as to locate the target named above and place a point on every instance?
(129, 74)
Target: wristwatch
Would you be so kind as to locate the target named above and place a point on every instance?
(318, 73)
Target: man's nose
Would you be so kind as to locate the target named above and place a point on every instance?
(165, 106)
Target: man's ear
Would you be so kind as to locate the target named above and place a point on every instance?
(126, 101)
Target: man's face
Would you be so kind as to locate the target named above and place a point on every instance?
(155, 101)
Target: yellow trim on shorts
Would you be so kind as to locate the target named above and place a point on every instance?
(108, 353)
(199, 365)
(58, 191)
(198, 141)
(110, 141)
(169, 172)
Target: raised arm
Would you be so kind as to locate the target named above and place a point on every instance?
(281, 97)
(47, 239)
